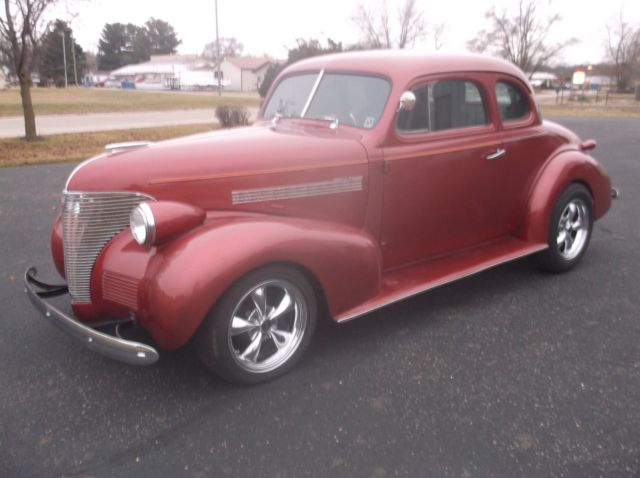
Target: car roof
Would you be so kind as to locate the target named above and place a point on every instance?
(407, 64)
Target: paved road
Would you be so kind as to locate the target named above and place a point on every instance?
(509, 373)
(13, 126)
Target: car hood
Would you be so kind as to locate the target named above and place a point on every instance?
(200, 169)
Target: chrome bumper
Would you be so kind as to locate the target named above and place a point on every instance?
(134, 353)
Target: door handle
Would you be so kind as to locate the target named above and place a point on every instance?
(498, 153)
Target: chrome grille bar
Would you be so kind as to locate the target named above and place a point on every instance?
(89, 221)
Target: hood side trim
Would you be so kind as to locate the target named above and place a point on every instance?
(238, 174)
(295, 191)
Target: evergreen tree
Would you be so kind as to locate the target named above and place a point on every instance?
(112, 47)
(161, 36)
(122, 44)
(51, 57)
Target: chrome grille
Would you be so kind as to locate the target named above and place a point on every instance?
(89, 221)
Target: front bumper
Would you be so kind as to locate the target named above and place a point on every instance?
(134, 353)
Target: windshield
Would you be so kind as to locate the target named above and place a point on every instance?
(355, 100)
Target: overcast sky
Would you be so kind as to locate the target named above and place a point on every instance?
(270, 27)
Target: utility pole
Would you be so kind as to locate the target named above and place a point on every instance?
(64, 57)
(75, 68)
(218, 53)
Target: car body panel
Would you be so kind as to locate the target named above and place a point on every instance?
(180, 282)
(371, 216)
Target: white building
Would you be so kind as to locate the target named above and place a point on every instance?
(602, 81)
(190, 72)
(244, 73)
(542, 79)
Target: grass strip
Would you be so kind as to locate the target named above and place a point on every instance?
(49, 101)
(79, 146)
(604, 112)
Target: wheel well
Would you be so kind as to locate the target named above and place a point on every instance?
(323, 306)
(585, 184)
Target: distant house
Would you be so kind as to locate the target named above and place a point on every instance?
(602, 81)
(164, 72)
(542, 79)
(244, 73)
(190, 72)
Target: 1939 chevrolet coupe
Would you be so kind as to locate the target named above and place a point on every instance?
(368, 177)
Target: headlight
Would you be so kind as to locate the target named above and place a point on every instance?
(143, 225)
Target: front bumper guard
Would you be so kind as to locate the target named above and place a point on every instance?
(134, 353)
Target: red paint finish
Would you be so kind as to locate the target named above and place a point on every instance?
(560, 171)
(179, 283)
(399, 284)
(57, 248)
(419, 210)
(174, 218)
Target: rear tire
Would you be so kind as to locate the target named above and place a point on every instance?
(260, 327)
(569, 230)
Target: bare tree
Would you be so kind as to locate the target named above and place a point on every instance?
(21, 29)
(623, 49)
(521, 37)
(439, 33)
(376, 29)
(229, 47)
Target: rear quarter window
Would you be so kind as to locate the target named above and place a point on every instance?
(513, 103)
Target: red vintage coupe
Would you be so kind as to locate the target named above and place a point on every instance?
(368, 178)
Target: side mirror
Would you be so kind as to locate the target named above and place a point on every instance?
(407, 101)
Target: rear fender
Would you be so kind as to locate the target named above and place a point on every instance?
(569, 166)
(185, 278)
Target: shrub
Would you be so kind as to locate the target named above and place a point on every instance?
(230, 116)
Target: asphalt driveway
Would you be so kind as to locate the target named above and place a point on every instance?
(508, 373)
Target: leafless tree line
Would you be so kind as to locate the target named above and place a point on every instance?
(380, 29)
(623, 49)
(521, 37)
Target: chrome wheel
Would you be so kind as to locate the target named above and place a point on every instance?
(267, 326)
(573, 229)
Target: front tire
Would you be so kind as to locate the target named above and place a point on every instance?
(569, 230)
(261, 326)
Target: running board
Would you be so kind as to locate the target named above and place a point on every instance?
(399, 284)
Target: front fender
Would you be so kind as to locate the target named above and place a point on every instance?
(185, 278)
(559, 172)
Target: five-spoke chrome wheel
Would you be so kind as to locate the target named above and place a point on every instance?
(267, 326)
(573, 229)
(260, 327)
(569, 229)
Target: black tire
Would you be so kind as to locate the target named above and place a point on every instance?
(240, 319)
(563, 255)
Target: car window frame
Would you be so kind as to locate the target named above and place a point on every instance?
(480, 79)
(523, 122)
(355, 72)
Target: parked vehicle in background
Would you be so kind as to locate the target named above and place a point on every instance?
(369, 177)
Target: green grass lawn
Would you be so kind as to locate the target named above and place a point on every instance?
(104, 100)
(79, 146)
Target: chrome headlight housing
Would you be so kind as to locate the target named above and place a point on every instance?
(143, 224)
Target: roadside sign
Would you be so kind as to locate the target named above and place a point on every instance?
(579, 77)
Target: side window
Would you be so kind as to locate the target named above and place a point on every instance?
(442, 105)
(512, 102)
